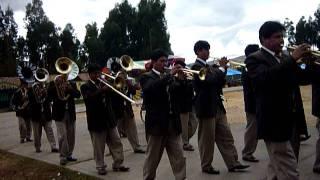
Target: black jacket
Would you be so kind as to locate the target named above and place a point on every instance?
(184, 93)
(18, 100)
(59, 106)
(40, 112)
(100, 116)
(248, 93)
(159, 100)
(208, 92)
(121, 105)
(278, 99)
(316, 90)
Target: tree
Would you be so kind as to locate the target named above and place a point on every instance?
(117, 30)
(317, 27)
(69, 43)
(8, 42)
(151, 28)
(288, 24)
(300, 35)
(92, 45)
(42, 37)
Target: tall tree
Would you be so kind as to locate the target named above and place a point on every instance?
(42, 36)
(117, 30)
(93, 46)
(317, 26)
(69, 43)
(151, 27)
(290, 30)
(8, 42)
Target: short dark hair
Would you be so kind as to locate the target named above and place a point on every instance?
(93, 68)
(157, 53)
(251, 48)
(270, 27)
(201, 44)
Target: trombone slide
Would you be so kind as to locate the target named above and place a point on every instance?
(118, 92)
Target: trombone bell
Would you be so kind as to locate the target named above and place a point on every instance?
(126, 62)
(41, 75)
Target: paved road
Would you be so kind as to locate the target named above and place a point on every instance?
(9, 141)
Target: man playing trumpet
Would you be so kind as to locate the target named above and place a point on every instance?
(213, 125)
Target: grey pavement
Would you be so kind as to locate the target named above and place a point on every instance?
(9, 140)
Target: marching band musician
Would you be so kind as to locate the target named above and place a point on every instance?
(124, 113)
(276, 79)
(101, 122)
(213, 125)
(162, 125)
(20, 102)
(64, 114)
(250, 135)
(316, 112)
(41, 115)
(184, 90)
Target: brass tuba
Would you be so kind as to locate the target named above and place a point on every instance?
(39, 88)
(68, 70)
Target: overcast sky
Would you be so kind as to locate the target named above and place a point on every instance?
(228, 25)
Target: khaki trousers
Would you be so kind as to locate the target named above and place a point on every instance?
(66, 136)
(317, 161)
(128, 125)
(112, 138)
(283, 164)
(216, 130)
(37, 133)
(24, 128)
(155, 148)
(250, 136)
(184, 118)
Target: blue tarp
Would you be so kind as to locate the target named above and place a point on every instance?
(231, 72)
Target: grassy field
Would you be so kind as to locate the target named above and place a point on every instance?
(17, 167)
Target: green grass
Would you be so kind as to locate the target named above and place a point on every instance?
(17, 167)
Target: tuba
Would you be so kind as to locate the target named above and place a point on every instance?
(39, 88)
(68, 70)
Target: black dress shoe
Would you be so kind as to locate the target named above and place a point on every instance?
(70, 158)
(102, 171)
(211, 170)
(316, 170)
(238, 167)
(29, 140)
(54, 150)
(141, 151)
(250, 159)
(121, 169)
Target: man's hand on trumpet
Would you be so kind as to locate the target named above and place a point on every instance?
(300, 51)
(223, 62)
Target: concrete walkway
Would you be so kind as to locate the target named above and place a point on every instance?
(9, 140)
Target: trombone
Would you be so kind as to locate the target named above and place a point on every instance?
(127, 63)
(115, 90)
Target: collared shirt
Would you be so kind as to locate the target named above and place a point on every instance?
(157, 72)
(271, 52)
(205, 63)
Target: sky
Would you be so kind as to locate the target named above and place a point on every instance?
(228, 25)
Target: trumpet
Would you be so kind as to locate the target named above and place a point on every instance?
(237, 63)
(313, 57)
(202, 73)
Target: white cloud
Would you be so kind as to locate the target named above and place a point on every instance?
(228, 25)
